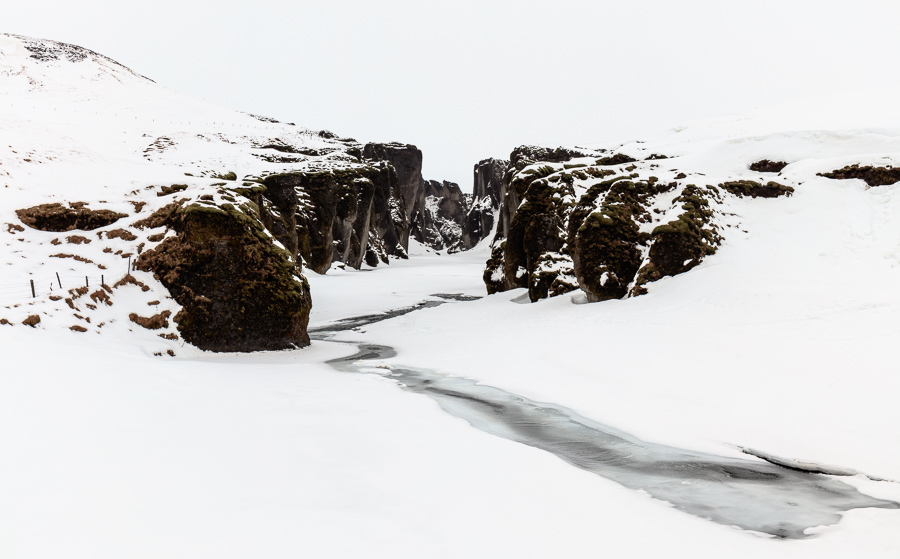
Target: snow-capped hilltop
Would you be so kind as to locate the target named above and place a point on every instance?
(34, 59)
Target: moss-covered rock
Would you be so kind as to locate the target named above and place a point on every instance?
(238, 290)
(606, 251)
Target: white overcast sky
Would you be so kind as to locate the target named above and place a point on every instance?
(468, 80)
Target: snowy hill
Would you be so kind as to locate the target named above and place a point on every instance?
(87, 136)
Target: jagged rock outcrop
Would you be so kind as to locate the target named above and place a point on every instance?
(357, 212)
(332, 215)
(603, 222)
(407, 200)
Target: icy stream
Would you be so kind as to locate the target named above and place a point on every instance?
(751, 494)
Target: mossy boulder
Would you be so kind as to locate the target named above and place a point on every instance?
(238, 290)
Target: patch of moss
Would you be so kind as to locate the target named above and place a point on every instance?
(167, 190)
(756, 190)
(615, 159)
(123, 234)
(58, 218)
(159, 218)
(766, 166)
(873, 176)
(155, 322)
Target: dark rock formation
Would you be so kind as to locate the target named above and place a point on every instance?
(873, 176)
(444, 222)
(488, 192)
(766, 166)
(58, 218)
(366, 210)
(533, 218)
(237, 289)
(489, 180)
(595, 224)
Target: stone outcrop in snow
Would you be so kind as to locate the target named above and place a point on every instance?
(603, 221)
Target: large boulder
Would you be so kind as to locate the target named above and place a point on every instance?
(238, 290)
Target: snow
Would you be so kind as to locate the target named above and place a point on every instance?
(783, 342)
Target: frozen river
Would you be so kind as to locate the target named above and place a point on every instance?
(751, 494)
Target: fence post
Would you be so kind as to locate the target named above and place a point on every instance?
(58, 280)
(86, 282)
(33, 296)
(102, 281)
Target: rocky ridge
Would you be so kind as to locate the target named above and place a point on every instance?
(605, 222)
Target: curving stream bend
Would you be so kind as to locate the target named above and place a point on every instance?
(753, 495)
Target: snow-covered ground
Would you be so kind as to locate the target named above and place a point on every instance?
(110, 452)
(783, 341)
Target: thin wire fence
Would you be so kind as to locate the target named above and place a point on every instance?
(39, 287)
